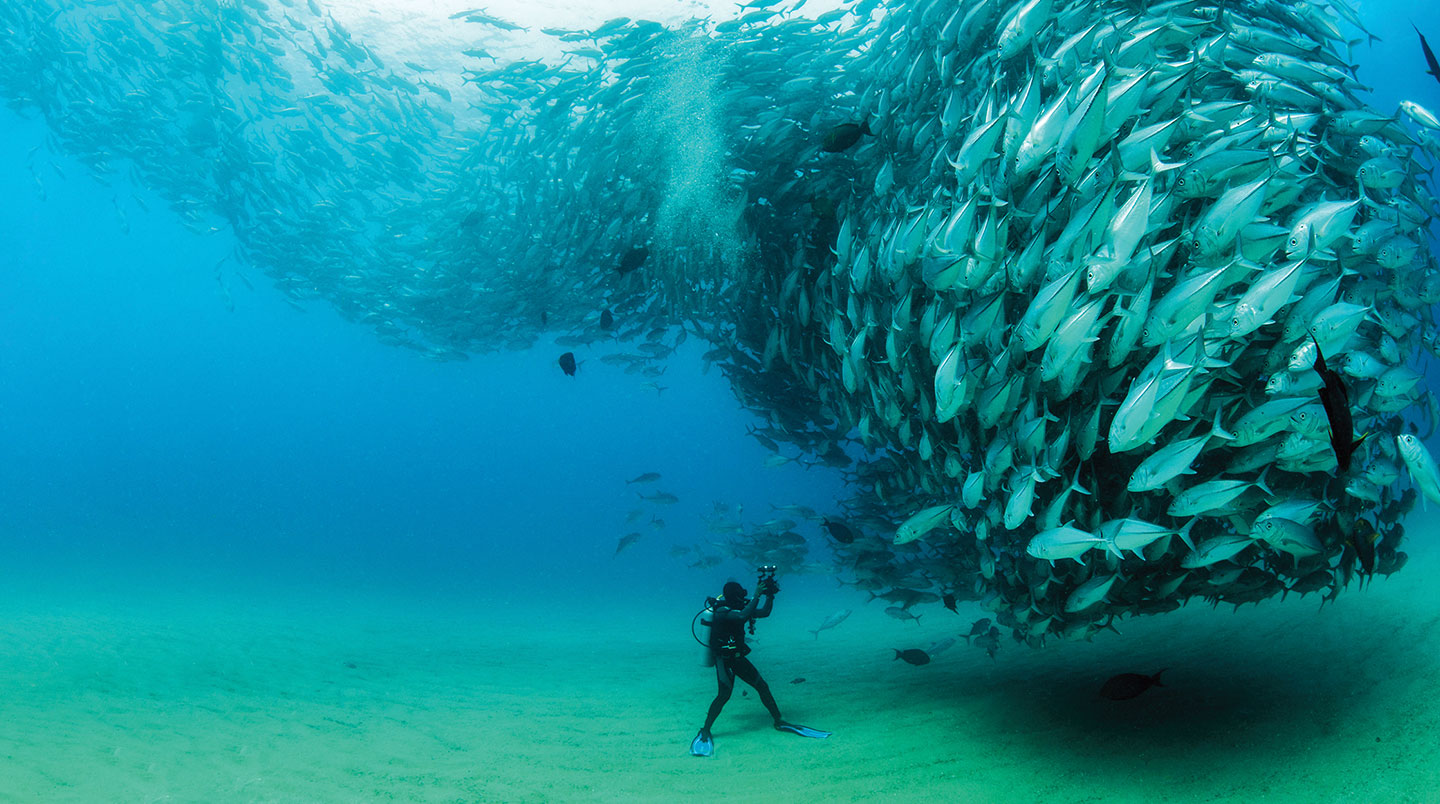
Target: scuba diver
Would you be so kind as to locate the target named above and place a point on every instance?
(730, 614)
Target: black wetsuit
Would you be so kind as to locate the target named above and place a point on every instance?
(727, 640)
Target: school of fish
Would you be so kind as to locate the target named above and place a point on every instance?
(1084, 296)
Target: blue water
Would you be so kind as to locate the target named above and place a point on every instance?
(145, 425)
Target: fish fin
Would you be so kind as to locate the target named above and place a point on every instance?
(1216, 431)
(1045, 412)
(1184, 534)
(1260, 483)
(1158, 166)
(1111, 548)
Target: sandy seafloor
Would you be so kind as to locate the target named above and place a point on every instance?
(194, 687)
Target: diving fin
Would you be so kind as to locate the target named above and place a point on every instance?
(803, 731)
(702, 745)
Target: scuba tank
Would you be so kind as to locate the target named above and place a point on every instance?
(700, 629)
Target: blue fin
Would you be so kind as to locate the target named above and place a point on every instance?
(803, 731)
(702, 745)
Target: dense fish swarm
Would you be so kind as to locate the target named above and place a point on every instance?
(1099, 288)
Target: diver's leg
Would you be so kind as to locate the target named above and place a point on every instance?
(726, 679)
(747, 673)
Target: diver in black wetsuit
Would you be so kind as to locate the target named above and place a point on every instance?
(732, 613)
(727, 642)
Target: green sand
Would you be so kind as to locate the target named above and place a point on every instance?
(186, 693)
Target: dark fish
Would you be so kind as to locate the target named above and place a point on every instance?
(800, 680)
(634, 258)
(838, 531)
(1346, 568)
(1429, 55)
(607, 320)
(1362, 541)
(765, 441)
(843, 136)
(1312, 582)
(990, 640)
(1337, 409)
(567, 364)
(625, 541)
(1391, 562)
(648, 477)
(979, 629)
(913, 656)
(949, 601)
(1128, 685)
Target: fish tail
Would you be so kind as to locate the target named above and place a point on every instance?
(1260, 483)
(1110, 547)
(1155, 679)
(1158, 166)
(1220, 432)
(1185, 534)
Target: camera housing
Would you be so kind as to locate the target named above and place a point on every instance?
(766, 580)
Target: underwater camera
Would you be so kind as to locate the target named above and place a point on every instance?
(766, 580)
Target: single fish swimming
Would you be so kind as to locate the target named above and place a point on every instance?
(1429, 54)
(844, 136)
(913, 656)
(1336, 401)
